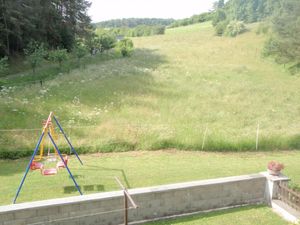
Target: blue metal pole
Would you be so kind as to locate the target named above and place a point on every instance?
(62, 159)
(28, 167)
(61, 129)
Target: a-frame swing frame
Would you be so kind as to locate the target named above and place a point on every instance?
(46, 132)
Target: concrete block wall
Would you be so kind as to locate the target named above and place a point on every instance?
(153, 202)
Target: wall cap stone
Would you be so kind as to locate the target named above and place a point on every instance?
(116, 194)
(280, 177)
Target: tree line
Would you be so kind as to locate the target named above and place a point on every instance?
(133, 22)
(138, 31)
(199, 18)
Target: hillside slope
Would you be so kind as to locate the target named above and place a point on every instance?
(166, 95)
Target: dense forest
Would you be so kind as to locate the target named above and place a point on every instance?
(134, 22)
(52, 22)
(251, 10)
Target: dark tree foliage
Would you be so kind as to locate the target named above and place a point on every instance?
(219, 4)
(219, 16)
(139, 31)
(133, 22)
(200, 18)
(53, 22)
(251, 10)
(284, 45)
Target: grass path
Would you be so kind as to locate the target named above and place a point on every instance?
(137, 169)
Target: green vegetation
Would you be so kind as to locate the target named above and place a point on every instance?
(3, 66)
(282, 44)
(245, 215)
(133, 22)
(235, 28)
(164, 96)
(200, 18)
(125, 47)
(56, 24)
(138, 31)
(229, 20)
(230, 16)
(58, 56)
(251, 10)
(137, 169)
(35, 53)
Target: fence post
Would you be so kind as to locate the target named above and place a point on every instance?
(126, 209)
(204, 137)
(257, 135)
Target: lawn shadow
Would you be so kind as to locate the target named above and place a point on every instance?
(84, 188)
(97, 168)
(95, 187)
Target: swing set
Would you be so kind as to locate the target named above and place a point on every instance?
(41, 160)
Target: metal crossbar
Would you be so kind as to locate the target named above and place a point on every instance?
(126, 198)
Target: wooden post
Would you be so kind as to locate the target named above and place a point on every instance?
(126, 198)
(257, 135)
(125, 209)
(204, 137)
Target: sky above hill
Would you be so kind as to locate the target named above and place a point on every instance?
(114, 9)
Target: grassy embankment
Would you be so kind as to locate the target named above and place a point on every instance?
(165, 95)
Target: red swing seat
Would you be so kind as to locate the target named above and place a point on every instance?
(36, 165)
(61, 164)
(49, 172)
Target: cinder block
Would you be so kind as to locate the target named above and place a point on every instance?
(15, 222)
(25, 213)
(6, 217)
(46, 211)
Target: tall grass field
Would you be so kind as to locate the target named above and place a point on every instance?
(188, 89)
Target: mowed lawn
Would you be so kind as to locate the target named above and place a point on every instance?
(174, 89)
(136, 169)
(253, 215)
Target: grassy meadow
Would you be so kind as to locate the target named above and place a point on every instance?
(174, 89)
(136, 169)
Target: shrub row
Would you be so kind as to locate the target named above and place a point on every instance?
(212, 144)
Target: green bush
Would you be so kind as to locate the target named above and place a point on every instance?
(4, 66)
(235, 28)
(219, 16)
(294, 186)
(263, 28)
(125, 47)
(35, 53)
(58, 56)
(80, 51)
(15, 154)
(107, 42)
(220, 28)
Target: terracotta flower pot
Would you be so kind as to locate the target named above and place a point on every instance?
(274, 172)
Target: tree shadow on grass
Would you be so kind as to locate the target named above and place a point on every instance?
(104, 86)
